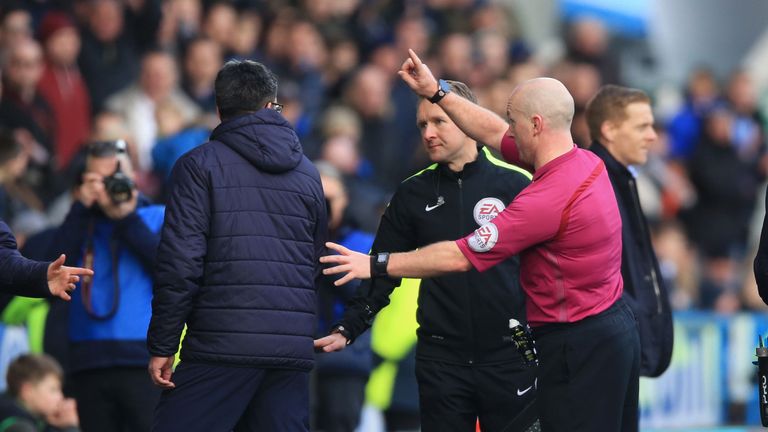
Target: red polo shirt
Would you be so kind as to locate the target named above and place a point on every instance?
(567, 229)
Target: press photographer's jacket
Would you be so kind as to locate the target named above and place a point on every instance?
(123, 258)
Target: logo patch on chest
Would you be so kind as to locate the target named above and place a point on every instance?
(484, 238)
(486, 209)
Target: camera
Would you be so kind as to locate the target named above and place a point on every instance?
(119, 186)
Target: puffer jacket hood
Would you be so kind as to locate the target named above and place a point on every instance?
(264, 138)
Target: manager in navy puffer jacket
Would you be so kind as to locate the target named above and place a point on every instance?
(238, 258)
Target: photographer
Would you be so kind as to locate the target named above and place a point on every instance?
(114, 230)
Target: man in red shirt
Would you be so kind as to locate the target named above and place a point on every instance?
(567, 229)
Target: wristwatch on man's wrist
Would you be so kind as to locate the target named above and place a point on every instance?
(340, 329)
(379, 264)
(443, 88)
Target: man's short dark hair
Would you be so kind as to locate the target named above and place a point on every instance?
(609, 104)
(31, 368)
(243, 86)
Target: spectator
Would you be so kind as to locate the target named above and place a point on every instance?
(63, 87)
(15, 26)
(114, 41)
(35, 401)
(23, 107)
(202, 60)
(175, 137)
(136, 104)
(113, 229)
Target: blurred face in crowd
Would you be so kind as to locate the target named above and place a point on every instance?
(158, 75)
(742, 94)
(16, 26)
(456, 56)
(307, 46)
(63, 46)
(369, 93)
(245, 39)
(220, 23)
(203, 62)
(444, 142)
(629, 139)
(42, 397)
(25, 66)
(106, 20)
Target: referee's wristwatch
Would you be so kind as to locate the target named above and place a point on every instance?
(443, 88)
(379, 264)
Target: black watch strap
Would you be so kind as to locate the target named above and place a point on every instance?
(442, 89)
(379, 264)
(340, 329)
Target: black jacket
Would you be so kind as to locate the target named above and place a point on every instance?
(244, 229)
(644, 289)
(463, 318)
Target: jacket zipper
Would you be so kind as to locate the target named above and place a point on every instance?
(646, 239)
(468, 294)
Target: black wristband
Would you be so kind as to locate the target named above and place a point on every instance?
(344, 332)
(443, 88)
(379, 264)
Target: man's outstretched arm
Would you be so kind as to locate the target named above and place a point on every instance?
(433, 260)
(477, 122)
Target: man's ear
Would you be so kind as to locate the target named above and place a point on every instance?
(607, 131)
(537, 123)
(24, 391)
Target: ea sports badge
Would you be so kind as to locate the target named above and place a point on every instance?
(484, 238)
(486, 209)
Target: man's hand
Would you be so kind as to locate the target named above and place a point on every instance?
(330, 343)
(92, 188)
(62, 279)
(418, 76)
(65, 415)
(355, 264)
(160, 370)
(120, 210)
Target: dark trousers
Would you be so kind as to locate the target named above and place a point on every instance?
(452, 397)
(211, 398)
(589, 373)
(114, 399)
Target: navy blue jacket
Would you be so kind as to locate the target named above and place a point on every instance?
(18, 275)
(245, 226)
(644, 289)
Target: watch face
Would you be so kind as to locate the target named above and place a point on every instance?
(382, 258)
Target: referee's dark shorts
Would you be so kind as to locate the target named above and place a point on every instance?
(589, 373)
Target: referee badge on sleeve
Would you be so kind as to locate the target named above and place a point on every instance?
(484, 238)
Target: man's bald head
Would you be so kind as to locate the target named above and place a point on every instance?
(546, 97)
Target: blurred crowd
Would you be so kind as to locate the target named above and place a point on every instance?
(79, 71)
